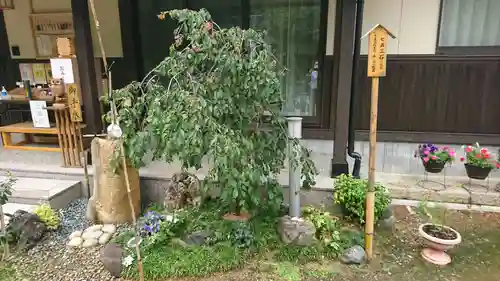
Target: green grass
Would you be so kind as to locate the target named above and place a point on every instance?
(176, 261)
(7, 273)
(168, 259)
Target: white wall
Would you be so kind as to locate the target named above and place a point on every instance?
(413, 22)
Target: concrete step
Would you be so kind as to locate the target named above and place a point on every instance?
(10, 208)
(58, 193)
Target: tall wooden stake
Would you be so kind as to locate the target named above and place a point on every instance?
(122, 149)
(377, 62)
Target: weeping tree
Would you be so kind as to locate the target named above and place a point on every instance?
(216, 96)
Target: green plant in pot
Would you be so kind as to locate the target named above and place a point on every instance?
(478, 162)
(350, 194)
(216, 97)
(437, 236)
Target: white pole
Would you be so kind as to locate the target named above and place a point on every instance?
(294, 170)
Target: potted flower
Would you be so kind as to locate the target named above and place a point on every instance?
(478, 162)
(438, 238)
(433, 157)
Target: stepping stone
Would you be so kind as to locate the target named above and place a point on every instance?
(75, 242)
(92, 234)
(94, 228)
(109, 228)
(105, 237)
(90, 243)
(75, 234)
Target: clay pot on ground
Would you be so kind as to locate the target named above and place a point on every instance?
(438, 239)
(433, 167)
(235, 217)
(477, 173)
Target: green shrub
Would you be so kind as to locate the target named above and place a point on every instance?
(350, 193)
(48, 216)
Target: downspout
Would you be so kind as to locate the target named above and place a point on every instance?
(355, 66)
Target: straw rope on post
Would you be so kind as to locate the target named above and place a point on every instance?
(121, 147)
(377, 62)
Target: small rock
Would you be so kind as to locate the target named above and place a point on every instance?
(387, 223)
(353, 255)
(111, 257)
(109, 228)
(29, 227)
(179, 242)
(197, 238)
(75, 234)
(75, 242)
(93, 228)
(105, 237)
(90, 243)
(92, 234)
(296, 231)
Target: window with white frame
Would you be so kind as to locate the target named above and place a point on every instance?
(470, 23)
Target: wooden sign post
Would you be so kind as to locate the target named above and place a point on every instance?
(377, 62)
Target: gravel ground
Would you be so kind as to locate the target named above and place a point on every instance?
(52, 260)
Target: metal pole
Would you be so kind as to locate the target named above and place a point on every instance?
(294, 168)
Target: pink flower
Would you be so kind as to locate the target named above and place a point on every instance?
(468, 149)
(484, 150)
(462, 159)
(498, 165)
(208, 26)
(445, 148)
(426, 152)
(434, 157)
(426, 159)
(451, 153)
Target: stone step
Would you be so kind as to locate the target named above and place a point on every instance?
(10, 208)
(58, 193)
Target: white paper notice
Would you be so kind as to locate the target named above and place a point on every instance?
(39, 114)
(62, 69)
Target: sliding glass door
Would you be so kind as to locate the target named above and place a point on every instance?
(293, 29)
(292, 26)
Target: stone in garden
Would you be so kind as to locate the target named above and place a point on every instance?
(75, 234)
(179, 242)
(197, 238)
(105, 237)
(91, 213)
(353, 255)
(296, 231)
(92, 234)
(90, 243)
(29, 227)
(387, 219)
(75, 242)
(94, 228)
(108, 228)
(111, 257)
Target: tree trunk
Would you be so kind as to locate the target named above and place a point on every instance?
(6, 251)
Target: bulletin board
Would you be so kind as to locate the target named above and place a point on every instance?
(47, 27)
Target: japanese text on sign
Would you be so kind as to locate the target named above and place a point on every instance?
(62, 69)
(377, 59)
(74, 103)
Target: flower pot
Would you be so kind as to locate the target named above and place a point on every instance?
(477, 173)
(234, 217)
(433, 167)
(438, 239)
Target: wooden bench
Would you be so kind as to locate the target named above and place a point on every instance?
(27, 129)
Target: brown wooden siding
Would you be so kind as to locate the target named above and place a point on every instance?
(434, 94)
